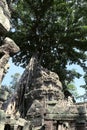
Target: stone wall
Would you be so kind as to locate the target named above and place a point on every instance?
(42, 101)
(4, 18)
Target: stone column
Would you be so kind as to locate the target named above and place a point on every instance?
(4, 17)
(15, 127)
(49, 125)
(60, 127)
(63, 128)
(3, 62)
(2, 126)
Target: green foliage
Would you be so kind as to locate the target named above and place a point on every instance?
(72, 89)
(13, 84)
(54, 29)
(6, 88)
(15, 79)
(85, 78)
(72, 73)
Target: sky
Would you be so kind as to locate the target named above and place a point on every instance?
(11, 71)
(17, 69)
(77, 81)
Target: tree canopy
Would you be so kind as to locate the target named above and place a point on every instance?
(55, 30)
(14, 81)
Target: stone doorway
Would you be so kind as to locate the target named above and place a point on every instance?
(81, 126)
(7, 127)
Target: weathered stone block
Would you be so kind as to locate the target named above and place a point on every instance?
(3, 95)
(4, 17)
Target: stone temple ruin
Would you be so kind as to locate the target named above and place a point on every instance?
(39, 102)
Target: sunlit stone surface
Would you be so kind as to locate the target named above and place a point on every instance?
(4, 17)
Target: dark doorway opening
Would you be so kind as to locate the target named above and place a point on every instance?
(20, 128)
(7, 127)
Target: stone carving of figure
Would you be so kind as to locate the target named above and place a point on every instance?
(70, 101)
